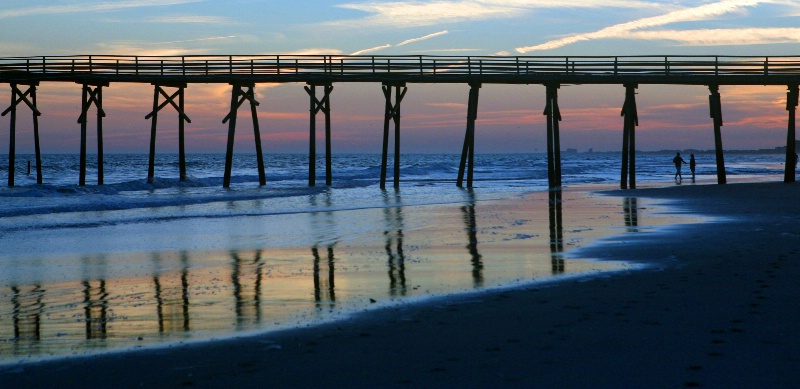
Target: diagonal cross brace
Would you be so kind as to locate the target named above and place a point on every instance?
(23, 98)
(393, 111)
(249, 95)
(171, 101)
(319, 105)
(93, 98)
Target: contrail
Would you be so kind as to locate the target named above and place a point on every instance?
(422, 38)
(702, 12)
(371, 49)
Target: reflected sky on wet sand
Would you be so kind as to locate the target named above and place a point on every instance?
(112, 286)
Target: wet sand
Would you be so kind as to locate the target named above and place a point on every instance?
(717, 308)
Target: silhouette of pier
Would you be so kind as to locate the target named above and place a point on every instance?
(243, 73)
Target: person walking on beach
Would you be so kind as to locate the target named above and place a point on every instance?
(692, 165)
(678, 161)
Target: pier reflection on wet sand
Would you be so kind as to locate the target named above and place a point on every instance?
(187, 294)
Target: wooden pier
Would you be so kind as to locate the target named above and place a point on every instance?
(243, 73)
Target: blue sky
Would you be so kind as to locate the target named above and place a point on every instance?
(670, 117)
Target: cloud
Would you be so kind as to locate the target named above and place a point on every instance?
(417, 13)
(703, 12)
(213, 38)
(422, 38)
(84, 7)
(448, 50)
(313, 51)
(188, 19)
(421, 13)
(723, 37)
(360, 52)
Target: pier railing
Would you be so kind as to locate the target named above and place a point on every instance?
(419, 68)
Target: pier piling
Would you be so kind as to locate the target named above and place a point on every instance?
(92, 94)
(158, 91)
(237, 99)
(468, 150)
(317, 105)
(631, 120)
(791, 150)
(392, 114)
(553, 114)
(17, 97)
(715, 104)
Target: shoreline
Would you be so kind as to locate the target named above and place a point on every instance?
(722, 312)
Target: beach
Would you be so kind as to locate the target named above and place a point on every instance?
(715, 306)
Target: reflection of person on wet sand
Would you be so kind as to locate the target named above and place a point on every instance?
(678, 161)
(692, 165)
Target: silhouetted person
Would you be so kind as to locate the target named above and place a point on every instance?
(692, 165)
(678, 161)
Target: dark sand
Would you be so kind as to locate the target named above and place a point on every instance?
(720, 308)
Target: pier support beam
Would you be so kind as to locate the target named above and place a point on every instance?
(468, 151)
(17, 97)
(791, 150)
(392, 114)
(92, 94)
(158, 91)
(553, 139)
(629, 137)
(715, 104)
(317, 105)
(238, 96)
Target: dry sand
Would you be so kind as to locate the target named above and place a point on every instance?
(719, 308)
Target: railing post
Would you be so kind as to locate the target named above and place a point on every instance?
(230, 64)
(666, 66)
(615, 65)
(716, 66)
(137, 65)
(766, 66)
(183, 65)
(278, 64)
(90, 64)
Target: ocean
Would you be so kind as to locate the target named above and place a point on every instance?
(128, 264)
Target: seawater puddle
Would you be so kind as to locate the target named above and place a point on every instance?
(79, 290)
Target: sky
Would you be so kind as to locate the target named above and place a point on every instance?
(433, 115)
